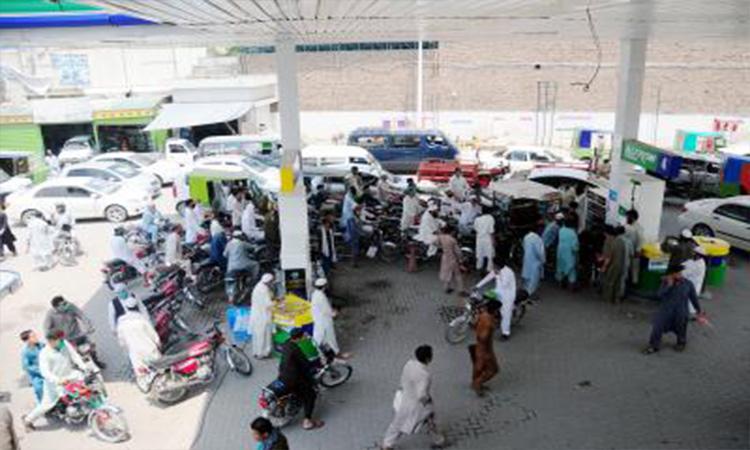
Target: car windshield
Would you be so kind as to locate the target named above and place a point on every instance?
(143, 159)
(268, 159)
(255, 164)
(123, 170)
(102, 186)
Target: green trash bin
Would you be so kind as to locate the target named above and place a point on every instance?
(717, 252)
(653, 267)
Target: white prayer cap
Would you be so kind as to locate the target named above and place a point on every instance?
(130, 302)
(700, 250)
(267, 278)
(432, 207)
(237, 233)
(559, 216)
(687, 234)
(321, 282)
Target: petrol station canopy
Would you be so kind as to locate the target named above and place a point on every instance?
(247, 22)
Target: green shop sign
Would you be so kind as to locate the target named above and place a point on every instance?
(641, 154)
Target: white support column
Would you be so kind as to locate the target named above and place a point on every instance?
(420, 84)
(631, 72)
(293, 226)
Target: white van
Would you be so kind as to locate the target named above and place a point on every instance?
(240, 144)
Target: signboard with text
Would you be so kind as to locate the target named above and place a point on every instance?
(659, 162)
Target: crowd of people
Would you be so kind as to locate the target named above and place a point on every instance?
(561, 249)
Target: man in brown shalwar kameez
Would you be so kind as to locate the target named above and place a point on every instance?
(482, 354)
(450, 261)
(614, 266)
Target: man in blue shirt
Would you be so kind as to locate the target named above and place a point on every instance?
(30, 362)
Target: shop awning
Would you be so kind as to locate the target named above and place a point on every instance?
(183, 115)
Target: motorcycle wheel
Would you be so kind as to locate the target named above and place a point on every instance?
(518, 312)
(208, 280)
(276, 421)
(336, 374)
(389, 252)
(164, 394)
(457, 330)
(108, 424)
(238, 361)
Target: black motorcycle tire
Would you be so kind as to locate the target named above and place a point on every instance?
(389, 252)
(238, 361)
(117, 426)
(518, 312)
(336, 374)
(457, 330)
(167, 396)
(208, 280)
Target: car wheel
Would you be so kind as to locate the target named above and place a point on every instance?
(26, 216)
(703, 230)
(116, 213)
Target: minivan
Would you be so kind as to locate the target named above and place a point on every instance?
(403, 150)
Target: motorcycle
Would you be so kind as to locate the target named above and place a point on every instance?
(172, 375)
(66, 246)
(86, 401)
(281, 407)
(458, 328)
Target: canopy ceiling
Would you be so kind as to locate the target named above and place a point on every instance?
(250, 22)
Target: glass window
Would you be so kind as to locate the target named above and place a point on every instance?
(435, 140)
(54, 191)
(734, 211)
(77, 192)
(173, 148)
(310, 162)
(103, 186)
(517, 156)
(124, 171)
(255, 164)
(332, 161)
(370, 141)
(81, 173)
(540, 157)
(358, 160)
(406, 140)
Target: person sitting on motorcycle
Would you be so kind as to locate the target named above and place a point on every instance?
(218, 244)
(59, 364)
(238, 253)
(268, 437)
(122, 251)
(296, 372)
(173, 246)
(63, 222)
(149, 221)
(66, 317)
(137, 336)
(116, 307)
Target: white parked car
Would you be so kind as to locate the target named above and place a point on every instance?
(85, 198)
(154, 163)
(78, 149)
(724, 218)
(131, 178)
(9, 184)
(264, 173)
(518, 158)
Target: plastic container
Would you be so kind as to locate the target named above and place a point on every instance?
(653, 266)
(717, 251)
(238, 321)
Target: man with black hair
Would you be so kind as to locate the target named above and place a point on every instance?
(296, 373)
(413, 402)
(505, 292)
(674, 295)
(483, 359)
(66, 318)
(634, 234)
(30, 361)
(267, 436)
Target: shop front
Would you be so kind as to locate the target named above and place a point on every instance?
(118, 125)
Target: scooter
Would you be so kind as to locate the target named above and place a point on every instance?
(281, 406)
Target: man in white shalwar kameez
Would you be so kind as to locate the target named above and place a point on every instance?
(40, 242)
(505, 291)
(58, 362)
(429, 225)
(458, 185)
(137, 336)
(261, 317)
(413, 403)
(249, 224)
(192, 222)
(410, 210)
(694, 270)
(484, 226)
(323, 315)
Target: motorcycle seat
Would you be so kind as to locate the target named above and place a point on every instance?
(169, 360)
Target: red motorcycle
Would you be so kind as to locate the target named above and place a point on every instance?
(172, 375)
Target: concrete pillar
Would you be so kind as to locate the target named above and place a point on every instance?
(420, 85)
(293, 226)
(631, 72)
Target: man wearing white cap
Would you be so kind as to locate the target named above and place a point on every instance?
(410, 209)
(458, 184)
(484, 225)
(429, 225)
(695, 272)
(323, 315)
(261, 317)
(683, 251)
(551, 231)
(137, 336)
